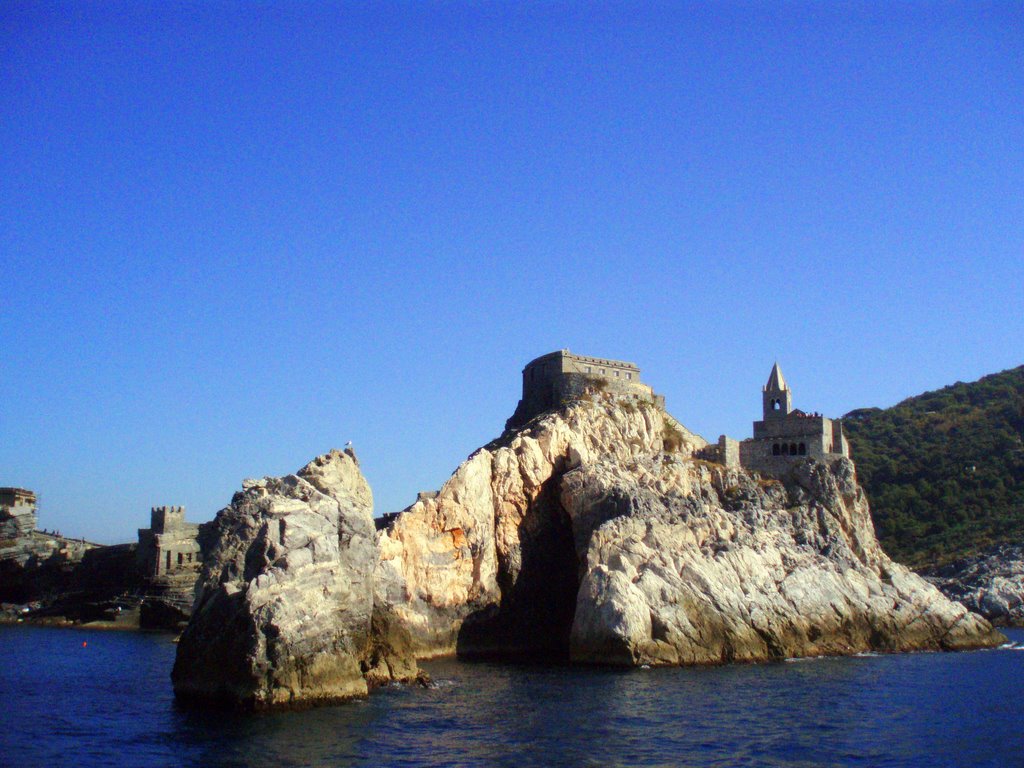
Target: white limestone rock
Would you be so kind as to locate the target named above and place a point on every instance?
(284, 604)
(495, 546)
(590, 533)
(581, 534)
(727, 568)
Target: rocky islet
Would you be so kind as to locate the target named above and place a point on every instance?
(591, 533)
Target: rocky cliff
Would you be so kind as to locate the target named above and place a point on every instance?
(592, 534)
(284, 612)
(589, 534)
(990, 583)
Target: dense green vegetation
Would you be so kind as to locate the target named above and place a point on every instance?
(944, 471)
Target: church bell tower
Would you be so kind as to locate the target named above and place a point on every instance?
(776, 396)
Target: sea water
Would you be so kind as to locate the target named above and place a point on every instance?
(86, 698)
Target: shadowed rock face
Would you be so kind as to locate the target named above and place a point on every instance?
(284, 612)
(990, 583)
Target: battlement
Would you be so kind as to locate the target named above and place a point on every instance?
(163, 518)
(170, 545)
(560, 376)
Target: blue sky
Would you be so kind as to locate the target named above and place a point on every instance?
(233, 236)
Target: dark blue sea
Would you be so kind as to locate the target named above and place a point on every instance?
(87, 698)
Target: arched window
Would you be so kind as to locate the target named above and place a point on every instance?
(776, 451)
(785, 449)
(792, 449)
(776, 405)
(803, 449)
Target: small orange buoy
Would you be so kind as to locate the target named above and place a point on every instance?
(84, 643)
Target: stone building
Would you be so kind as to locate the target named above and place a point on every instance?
(17, 513)
(169, 546)
(557, 377)
(784, 434)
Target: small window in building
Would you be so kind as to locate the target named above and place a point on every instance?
(803, 449)
(589, 369)
(776, 451)
(181, 558)
(629, 375)
(616, 374)
(792, 449)
(168, 561)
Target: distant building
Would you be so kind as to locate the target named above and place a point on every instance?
(557, 377)
(17, 513)
(784, 434)
(170, 545)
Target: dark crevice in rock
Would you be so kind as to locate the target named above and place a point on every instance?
(534, 617)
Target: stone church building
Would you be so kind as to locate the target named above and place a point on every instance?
(784, 433)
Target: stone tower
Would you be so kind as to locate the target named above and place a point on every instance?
(776, 396)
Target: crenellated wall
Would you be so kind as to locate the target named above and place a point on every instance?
(558, 377)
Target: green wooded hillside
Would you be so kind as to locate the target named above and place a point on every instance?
(944, 471)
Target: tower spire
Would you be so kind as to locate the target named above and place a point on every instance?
(776, 381)
(776, 396)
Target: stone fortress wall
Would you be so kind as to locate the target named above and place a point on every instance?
(557, 377)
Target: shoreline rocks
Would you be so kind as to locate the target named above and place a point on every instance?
(991, 583)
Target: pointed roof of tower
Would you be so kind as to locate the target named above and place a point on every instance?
(775, 379)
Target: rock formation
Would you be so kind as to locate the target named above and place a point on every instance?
(284, 613)
(34, 565)
(990, 584)
(581, 536)
(590, 533)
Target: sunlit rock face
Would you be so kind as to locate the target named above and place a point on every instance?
(284, 613)
(724, 568)
(590, 533)
(580, 536)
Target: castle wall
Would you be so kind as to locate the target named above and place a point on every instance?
(728, 451)
(560, 376)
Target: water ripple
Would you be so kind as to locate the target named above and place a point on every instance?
(110, 703)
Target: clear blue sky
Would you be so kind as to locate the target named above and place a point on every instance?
(233, 236)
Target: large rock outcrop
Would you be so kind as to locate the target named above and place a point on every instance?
(990, 583)
(284, 613)
(723, 567)
(592, 533)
